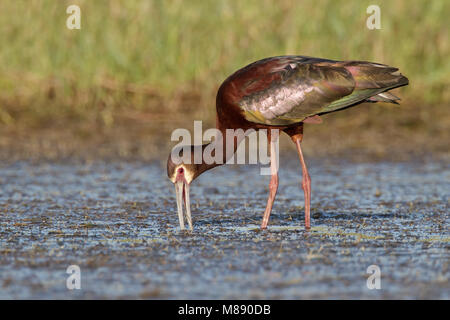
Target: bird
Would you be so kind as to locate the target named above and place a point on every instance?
(284, 93)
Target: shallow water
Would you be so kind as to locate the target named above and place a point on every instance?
(117, 221)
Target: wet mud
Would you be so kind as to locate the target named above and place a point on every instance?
(117, 221)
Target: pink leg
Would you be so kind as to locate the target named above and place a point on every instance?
(273, 186)
(306, 184)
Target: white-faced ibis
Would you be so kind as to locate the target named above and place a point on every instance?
(283, 93)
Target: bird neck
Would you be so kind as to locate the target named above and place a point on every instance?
(220, 150)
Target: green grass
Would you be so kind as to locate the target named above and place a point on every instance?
(163, 56)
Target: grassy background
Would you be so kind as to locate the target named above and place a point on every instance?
(160, 62)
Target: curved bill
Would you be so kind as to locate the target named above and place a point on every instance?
(182, 193)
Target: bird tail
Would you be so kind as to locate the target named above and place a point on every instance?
(384, 97)
(370, 75)
(372, 81)
(379, 78)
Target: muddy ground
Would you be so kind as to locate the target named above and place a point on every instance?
(117, 221)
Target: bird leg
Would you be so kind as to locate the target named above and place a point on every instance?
(306, 180)
(273, 185)
(296, 134)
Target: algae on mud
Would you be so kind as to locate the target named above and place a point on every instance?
(117, 220)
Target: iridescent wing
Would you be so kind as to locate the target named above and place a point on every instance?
(288, 89)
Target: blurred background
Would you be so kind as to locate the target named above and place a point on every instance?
(136, 70)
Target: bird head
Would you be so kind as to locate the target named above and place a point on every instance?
(182, 173)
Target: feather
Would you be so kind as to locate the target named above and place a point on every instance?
(289, 89)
